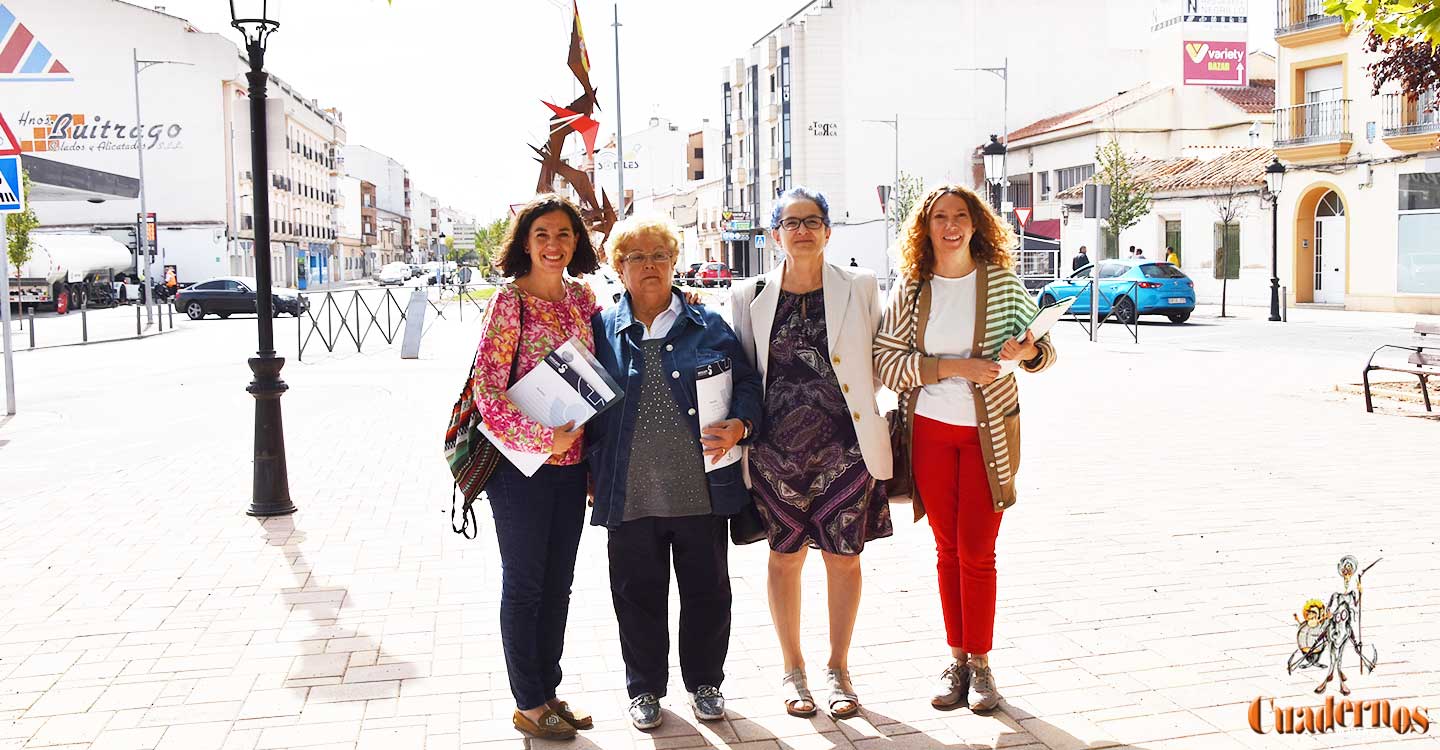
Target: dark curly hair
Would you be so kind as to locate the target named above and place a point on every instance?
(515, 262)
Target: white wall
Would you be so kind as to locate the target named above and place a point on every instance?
(181, 105)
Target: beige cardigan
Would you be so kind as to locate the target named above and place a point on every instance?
(1002, 307)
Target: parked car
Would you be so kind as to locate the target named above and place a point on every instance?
(228, 295)
(394, 273)
(714, 274)
(416, 270)
(688, 275)
(1132, 287)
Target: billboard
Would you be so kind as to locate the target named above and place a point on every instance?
(1215, 63)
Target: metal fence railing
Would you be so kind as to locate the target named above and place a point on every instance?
(1292, 16)
(355, 317)
(1316, 122)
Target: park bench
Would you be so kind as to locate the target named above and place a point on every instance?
(1423, 362)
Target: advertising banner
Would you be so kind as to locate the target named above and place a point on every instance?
(1212, 63)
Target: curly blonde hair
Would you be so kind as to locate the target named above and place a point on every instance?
(625, 235)
(991, 242)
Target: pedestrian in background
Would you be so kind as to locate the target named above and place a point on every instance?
(1172, 257)
(960, 308)
(1080, 260)
(818, 466)
(538, 519)
(652, 489)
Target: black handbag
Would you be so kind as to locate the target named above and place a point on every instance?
(747, 527)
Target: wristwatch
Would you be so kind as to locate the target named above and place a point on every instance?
(748, 428)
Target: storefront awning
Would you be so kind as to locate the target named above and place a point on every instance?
(56, 181)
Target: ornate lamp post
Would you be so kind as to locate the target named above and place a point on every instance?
(271, 493)
(1274, 178)
(994, 153)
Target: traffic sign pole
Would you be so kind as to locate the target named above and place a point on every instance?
(5, 317)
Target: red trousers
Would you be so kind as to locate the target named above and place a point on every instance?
(950, 476)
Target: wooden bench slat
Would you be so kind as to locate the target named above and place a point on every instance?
(1431, 329)
(1431, 359)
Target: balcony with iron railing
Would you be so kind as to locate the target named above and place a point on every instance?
(1411, 123)
(1301, 22)
(1318, 130)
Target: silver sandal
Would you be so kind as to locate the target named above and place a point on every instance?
(796, 691)
(837, 679)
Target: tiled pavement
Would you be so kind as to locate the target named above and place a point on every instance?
(1180, 498)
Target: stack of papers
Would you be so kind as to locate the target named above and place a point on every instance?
(569, 384)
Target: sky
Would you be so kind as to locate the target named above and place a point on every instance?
(452, 88)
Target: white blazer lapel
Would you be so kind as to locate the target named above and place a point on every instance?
(837, 299)
(762, 317)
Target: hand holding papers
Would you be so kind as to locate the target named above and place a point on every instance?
(1044, 319)
(713, 389)
(568, 385)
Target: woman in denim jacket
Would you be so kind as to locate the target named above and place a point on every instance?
(648, 463)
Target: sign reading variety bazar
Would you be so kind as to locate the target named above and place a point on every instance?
(1210, 63)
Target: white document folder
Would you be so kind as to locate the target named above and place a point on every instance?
(714, 387)
(1045, 318)
(568, 384)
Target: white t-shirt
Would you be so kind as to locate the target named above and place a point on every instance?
(948, 334)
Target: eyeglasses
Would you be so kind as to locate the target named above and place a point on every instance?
(813, 223)
(659, 258)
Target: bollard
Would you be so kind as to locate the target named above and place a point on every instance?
(137, 320)
(170, 312)
(1284, 304)
(84, 326)
(32, 328)
(462, 303)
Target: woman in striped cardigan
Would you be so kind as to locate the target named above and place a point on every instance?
(959, 308)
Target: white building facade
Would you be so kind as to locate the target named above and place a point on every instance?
(392, 201)
(843, 94)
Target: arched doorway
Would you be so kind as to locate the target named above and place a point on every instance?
(1321, 248)
(1330, 250)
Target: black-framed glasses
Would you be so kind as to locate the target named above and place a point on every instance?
(659, 258)
(813, 223)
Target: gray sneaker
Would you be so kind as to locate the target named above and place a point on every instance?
(983, 683)
(645, 711)
(709, 704)
(953, 687)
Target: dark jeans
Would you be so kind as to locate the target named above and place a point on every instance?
(537, 522)
(640, 554)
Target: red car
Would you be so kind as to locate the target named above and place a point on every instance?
(713, 274)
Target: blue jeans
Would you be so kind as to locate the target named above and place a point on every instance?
(538, 521)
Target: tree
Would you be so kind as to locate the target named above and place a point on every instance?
(489, 243)
(1229, 204)
(1403, 34)
(17, 229)
(1129, 197)
(906, 195)
(1418, 20)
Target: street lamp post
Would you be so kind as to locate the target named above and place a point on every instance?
(994, 153)
(271, 492)
(1003, 72)
(1274, 178)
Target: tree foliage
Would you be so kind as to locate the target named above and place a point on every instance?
(1129, 197)
(906, 195)
(17, 229)
(1403, 34)
(1418, 20)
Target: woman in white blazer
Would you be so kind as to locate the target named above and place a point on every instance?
(818, 466)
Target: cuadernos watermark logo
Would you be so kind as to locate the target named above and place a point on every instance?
(1326, 633)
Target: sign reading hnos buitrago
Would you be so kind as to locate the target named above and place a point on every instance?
(73, 131)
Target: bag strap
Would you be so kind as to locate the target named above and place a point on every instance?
(468, 522)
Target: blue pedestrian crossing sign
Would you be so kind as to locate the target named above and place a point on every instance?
(760, 240)
(12, 194)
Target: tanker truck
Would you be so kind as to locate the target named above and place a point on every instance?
(66, 270)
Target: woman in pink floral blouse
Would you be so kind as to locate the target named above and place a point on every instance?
(538, 519)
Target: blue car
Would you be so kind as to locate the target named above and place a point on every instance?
(1133, 287)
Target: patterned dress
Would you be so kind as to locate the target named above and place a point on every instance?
(806, 468)
(547, 326)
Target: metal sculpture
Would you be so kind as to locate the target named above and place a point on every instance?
(597, 212)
